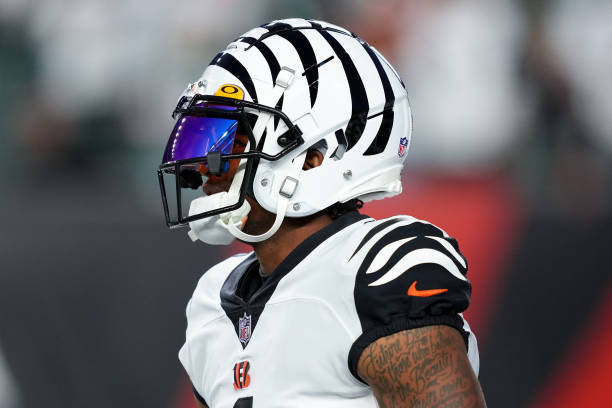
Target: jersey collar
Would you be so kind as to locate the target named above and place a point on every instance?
(237, 308)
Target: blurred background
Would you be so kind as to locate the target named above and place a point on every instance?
(511, 154)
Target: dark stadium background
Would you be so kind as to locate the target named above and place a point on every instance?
(511, 154)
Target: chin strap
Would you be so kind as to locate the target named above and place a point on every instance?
(289, 185)
(285, 193)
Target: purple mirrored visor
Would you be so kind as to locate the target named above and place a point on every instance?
(195, 136)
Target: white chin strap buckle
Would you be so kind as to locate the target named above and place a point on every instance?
(288, 187)
(285, 193)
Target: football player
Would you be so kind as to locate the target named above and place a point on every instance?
(288, 131)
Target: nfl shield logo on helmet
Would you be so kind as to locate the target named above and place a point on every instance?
(403, 147)
(244, 328)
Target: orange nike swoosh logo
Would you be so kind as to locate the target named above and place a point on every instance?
(413, 291)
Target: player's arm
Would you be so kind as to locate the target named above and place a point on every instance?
(415, 349)
(423, 367)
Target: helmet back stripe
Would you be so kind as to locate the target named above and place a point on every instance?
(230, 63)
(388, 64)
(359, 98)
(381, 139)
(384, 78)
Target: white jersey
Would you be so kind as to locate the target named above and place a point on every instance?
(296, 339)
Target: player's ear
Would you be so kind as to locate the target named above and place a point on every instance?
(314, 158)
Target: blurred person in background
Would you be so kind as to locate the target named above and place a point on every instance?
(288, 130)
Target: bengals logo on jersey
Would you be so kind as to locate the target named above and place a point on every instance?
(242, 379)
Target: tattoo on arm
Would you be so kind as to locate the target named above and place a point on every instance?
(424, 367)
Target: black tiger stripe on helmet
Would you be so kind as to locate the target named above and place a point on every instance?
(291, 31)
(233, 66)
(269, 56)
(386, 125)
(359, 98)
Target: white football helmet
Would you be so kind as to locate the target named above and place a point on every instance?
(289, 86)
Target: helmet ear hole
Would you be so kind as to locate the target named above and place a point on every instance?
(314, 158)
(321, 146)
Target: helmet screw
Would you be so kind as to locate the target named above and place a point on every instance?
(296, 207)
(282, 140)
(347, 174)
(264, 182)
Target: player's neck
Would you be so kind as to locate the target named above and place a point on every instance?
(274, 250)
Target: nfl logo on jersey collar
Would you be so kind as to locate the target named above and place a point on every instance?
(244, 328)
